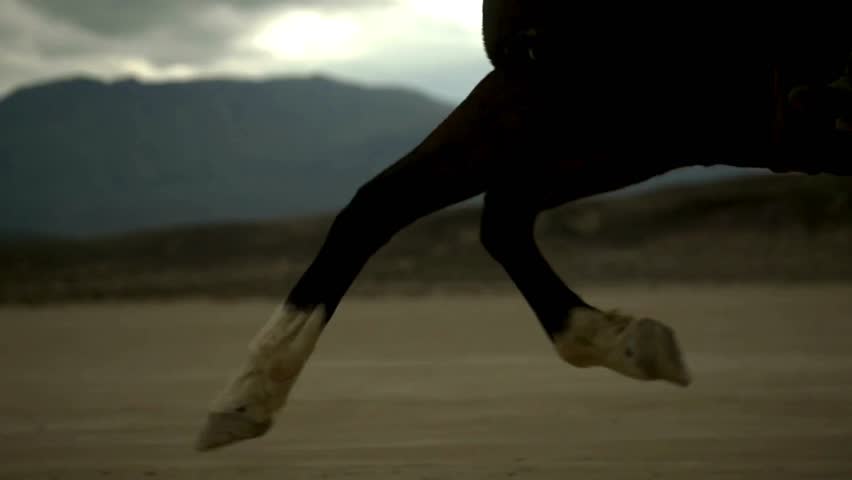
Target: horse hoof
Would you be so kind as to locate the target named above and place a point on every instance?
(223, 429)
(277, 356)
(643, 349)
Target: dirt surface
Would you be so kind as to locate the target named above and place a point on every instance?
(437, 387)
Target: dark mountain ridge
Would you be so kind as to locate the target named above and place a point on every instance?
(81, 156)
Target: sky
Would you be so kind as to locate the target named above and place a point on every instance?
(430, 45)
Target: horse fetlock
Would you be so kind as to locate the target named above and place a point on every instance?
(290, 331)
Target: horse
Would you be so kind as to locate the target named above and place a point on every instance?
(576, 103)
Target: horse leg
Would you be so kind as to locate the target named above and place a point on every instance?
(452, 164)
(507, 232)
(583, 335)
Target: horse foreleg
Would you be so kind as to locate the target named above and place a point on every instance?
(449, 166)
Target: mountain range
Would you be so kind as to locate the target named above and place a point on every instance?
(81, 156)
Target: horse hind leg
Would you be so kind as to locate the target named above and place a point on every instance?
(582, 335)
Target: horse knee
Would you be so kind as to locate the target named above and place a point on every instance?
(491, 238)
(365, 202)
(504, 231)
(373, 215)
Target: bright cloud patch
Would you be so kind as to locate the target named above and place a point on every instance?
(309, 36)
(431, 45)
(142, 69)
(466, 14)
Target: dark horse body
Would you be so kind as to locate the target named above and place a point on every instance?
(578, 103)
(576, 107)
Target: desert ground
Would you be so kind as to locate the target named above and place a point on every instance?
(434, 387)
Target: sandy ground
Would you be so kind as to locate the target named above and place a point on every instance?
(433, 388)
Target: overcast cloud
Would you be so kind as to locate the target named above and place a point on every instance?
(432, 45)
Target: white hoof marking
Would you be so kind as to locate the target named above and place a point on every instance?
(260, 388)
(643, 349)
